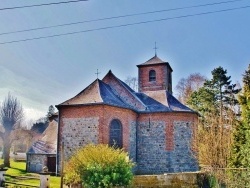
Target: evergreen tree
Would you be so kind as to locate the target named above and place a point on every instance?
(218, 84)
(241, 148)
(203, 101)
(216, 94)
(50, 112)
(214, 103)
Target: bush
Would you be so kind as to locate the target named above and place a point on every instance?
(99, 166)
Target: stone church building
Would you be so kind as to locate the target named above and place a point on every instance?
(151, 124)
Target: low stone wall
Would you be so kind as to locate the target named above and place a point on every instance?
(172, 180)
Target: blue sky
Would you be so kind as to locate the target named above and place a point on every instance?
(49, 71)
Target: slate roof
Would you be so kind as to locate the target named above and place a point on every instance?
(96, 93)
(167, 104)
(48, 143)
(154, 61)
(112, 91)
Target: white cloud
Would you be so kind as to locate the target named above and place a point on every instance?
(33, 114)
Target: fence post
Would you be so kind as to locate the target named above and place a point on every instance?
(45, 178)
(2, 178)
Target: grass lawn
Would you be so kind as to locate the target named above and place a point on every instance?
(18, 169)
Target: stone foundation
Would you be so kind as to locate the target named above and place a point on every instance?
(175, 180)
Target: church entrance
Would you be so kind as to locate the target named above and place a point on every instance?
(115, 133)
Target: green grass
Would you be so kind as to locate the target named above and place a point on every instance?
(18, 169)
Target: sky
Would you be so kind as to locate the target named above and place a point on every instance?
(193, 36)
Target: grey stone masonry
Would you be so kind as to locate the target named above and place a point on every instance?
(183, 158)
(78, 132)
(132, 141)
(153, 158)
(36, 162)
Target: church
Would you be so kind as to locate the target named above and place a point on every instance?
(154, 128)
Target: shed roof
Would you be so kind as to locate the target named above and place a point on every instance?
(48, 143)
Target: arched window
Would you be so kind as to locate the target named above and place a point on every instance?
(115, 133)
(152, 75)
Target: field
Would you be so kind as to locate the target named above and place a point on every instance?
(17, 174)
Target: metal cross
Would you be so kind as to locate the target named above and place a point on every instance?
(97, 73)
(155, 48)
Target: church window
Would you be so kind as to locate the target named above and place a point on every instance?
(115, 133)
(152, 75)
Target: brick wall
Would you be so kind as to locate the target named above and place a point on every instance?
(163, 81)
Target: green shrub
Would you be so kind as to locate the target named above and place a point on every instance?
(99, 166)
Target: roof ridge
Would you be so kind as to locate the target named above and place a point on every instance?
(109, 89)
(125, 86)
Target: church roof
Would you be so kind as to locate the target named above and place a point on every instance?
(96, 93)
(153, 61)
(162, 101)
(112, 91)
(90, 94)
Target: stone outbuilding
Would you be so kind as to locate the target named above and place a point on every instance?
(43, 151)
(152, 125)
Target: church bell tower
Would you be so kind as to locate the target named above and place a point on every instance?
(155, 75)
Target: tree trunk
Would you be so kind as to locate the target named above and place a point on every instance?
(6, 150)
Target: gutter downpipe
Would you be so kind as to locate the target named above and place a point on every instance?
(136, 137)
(58, 137)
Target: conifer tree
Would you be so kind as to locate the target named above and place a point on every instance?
(214, 103)
(216, 94)
(241, 148)
(50, 112)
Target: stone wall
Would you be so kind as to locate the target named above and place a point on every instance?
(35, 163)
(165, 146)
(79, 132)
(183, 156)
(175, 180)
(132, 141)
(152, 156)
(81, 125)
(163, 142)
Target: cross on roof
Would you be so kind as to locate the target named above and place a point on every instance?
(155, 48)
(97, 73)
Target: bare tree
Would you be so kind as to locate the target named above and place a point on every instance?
(132, 82)
(11, 114)
(21, 137)
(186, 86)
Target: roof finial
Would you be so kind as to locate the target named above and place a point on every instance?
(97, 73)
(155, 48)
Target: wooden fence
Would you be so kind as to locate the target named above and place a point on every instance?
(43, 183)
